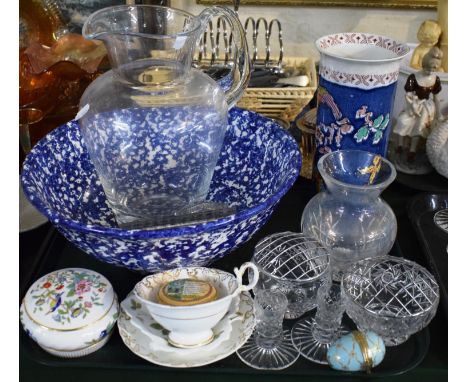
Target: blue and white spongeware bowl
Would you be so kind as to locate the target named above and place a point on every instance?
(258, 164)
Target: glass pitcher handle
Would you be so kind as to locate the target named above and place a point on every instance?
(241, 68)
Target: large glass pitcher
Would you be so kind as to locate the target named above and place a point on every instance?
(153, 125)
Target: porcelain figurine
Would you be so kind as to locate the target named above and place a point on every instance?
(405, 71)
(437, 146)
(428, 35)
(413, 124)
(442, 13)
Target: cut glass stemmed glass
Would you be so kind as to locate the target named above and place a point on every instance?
(313, 335)
(270, 347)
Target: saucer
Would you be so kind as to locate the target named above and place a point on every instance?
(141, 319)
(143, 345)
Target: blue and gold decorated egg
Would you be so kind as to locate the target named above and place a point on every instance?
(356, 351)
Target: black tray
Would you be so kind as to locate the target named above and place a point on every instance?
(432, 182)
(421, 210)
(59, 253)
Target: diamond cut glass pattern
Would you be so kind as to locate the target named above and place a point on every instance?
(294, 264)
(392, 296)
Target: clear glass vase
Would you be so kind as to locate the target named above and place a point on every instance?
(153, 125)
(349, 218)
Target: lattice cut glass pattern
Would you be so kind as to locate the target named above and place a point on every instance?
(295, 264)
(291, 256)
(392, 296)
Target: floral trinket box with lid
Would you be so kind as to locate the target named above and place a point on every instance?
(70, 312)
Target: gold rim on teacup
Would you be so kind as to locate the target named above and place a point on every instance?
(192, 346)
(166, 276)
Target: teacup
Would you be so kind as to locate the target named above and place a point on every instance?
(191, 326)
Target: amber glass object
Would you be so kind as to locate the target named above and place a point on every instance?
(55, 66)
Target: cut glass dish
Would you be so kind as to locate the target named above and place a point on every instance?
(391, 296)
(294, 264)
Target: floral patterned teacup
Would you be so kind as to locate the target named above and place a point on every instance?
(191, 326)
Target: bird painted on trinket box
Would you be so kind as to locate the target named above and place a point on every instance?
(55, 302)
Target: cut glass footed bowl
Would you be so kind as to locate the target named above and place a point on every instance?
(391, 296)
(258, 164)
(294, 264)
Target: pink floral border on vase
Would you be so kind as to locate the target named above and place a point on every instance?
(364, 80)
(363, 38)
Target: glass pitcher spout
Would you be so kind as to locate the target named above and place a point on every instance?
(146, 43)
